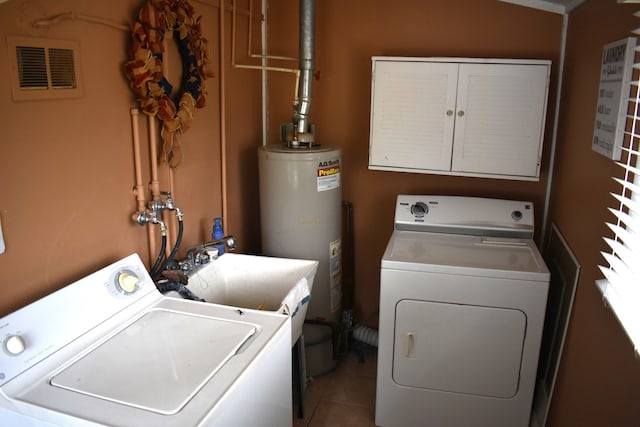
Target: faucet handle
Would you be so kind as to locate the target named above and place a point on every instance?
(230, 242)
(170, 204)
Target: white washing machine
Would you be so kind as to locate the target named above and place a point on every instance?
(111, 350)
(463, 291)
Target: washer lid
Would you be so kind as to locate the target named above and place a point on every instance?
(466, 255)
(158, 362)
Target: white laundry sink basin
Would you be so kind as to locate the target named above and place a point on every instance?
(260, 283)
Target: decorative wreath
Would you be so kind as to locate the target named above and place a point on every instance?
(144, 68)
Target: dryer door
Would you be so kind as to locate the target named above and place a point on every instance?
(458, 348)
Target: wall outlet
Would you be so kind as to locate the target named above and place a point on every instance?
(1, 238)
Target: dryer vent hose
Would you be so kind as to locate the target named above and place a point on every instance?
(366, 335)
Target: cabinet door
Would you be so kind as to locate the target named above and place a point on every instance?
(500, 119)
(412, 116)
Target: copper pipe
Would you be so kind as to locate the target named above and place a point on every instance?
(254, 55)
(167, 216)
(223, 127)
(154, 185)
(139, 188)
(172, 221)
(295, 71)
(73, 16)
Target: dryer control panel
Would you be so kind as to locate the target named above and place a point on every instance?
(465, 215)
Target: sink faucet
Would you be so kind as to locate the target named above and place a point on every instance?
(197, 255)
(229, 242)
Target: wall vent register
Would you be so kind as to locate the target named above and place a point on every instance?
(44, 68)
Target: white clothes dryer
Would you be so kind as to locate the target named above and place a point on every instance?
(463, 291)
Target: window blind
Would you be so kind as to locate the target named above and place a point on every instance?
(621, 286)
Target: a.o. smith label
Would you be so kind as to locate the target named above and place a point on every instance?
(328, 175)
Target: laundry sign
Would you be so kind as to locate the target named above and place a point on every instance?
(615, 85)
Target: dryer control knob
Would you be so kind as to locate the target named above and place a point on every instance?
(419, 209)
(516, 215)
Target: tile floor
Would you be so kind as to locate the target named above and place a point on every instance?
(345, 397)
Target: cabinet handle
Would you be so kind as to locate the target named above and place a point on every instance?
(449, 113)
(460, 113)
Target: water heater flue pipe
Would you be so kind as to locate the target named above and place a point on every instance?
(307, 64)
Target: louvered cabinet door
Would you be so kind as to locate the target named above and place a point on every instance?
(412, 118)
(500, 119)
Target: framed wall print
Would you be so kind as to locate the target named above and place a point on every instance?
(613, 97)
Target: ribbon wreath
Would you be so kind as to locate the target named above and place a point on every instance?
(144, 68)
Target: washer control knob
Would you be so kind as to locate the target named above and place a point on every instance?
(127, 282)
(419, 209)
(14, 345)
(516, 215)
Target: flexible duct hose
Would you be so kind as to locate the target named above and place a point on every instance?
(366, 335)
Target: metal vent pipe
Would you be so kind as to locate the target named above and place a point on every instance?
(307, 63)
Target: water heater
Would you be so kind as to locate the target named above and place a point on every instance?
(300, 211)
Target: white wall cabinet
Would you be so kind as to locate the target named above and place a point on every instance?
(459, 116)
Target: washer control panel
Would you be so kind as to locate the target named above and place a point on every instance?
(39, 329)
(465, 215)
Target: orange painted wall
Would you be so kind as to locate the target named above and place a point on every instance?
(348, 34)
(599, 378)
(67, 171)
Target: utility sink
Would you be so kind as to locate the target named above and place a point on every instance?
(259, 283)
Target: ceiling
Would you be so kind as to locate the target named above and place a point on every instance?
(556, 6)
